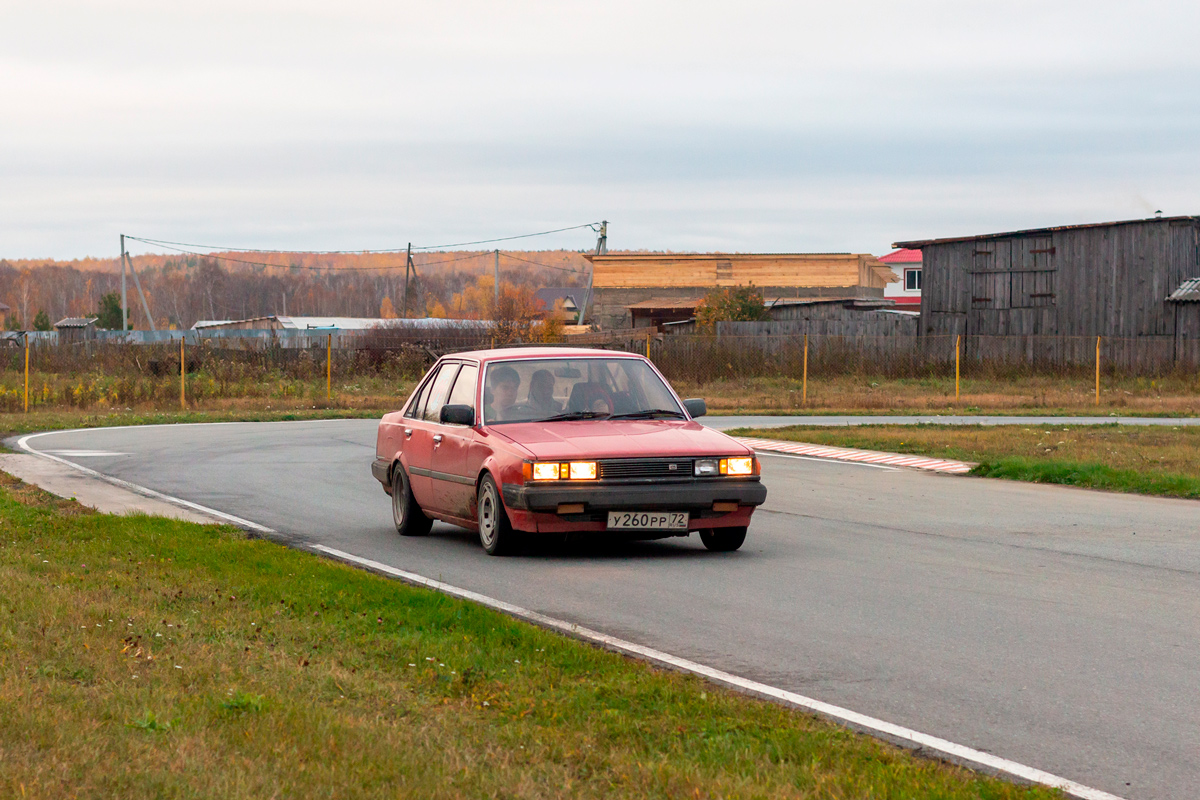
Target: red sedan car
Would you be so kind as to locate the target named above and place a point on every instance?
(552, 440)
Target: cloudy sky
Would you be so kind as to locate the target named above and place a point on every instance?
(747, 126)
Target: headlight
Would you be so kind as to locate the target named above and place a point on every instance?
(561, 471)
(582, 470)
(706, 467)
(742, 465)
(543, 471)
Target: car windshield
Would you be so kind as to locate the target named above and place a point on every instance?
(534, 390)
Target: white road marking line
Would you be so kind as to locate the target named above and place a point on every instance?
(915, 739)
(246, 524)
(955, 752)
(84, 453)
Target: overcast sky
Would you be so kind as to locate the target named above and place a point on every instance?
(741, 126)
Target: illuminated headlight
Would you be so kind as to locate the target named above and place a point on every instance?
(582, 470)
(561, 471)
(543, 471)
(742, 465)
(706, 467)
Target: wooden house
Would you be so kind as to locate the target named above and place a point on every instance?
(649, 289)
(1119, 280)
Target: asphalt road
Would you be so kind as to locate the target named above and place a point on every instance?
(1056, 627)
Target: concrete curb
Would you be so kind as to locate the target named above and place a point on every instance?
(859, 456)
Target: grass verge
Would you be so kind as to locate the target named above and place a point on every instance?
(143, 657)
(1159, 460)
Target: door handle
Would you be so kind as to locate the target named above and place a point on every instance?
(437, 438)
(407, 432)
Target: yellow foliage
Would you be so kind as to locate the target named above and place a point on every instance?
(386, 309)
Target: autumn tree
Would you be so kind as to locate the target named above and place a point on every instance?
(11, 323)
(386, 309)
(41, 321)
(741, 303)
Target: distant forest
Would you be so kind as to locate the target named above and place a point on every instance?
(183, 289)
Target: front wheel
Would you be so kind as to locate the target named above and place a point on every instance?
(409, 518)
(723, 540)
(495, 531)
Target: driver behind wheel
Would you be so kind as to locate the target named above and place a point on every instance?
(503, 383)
(541, 394)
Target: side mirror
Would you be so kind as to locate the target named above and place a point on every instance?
(457, 415)
(696, 407)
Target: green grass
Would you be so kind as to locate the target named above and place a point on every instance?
(143, 657)
(1158, 460)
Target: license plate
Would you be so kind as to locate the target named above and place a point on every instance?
(647, 520)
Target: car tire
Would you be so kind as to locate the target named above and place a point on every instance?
(723, 540)
(495, 531)
(410, 520)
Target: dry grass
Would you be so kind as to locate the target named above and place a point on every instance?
(143, 657)
(858, 394)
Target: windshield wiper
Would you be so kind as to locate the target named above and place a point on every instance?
(574, 415)
(646, 414)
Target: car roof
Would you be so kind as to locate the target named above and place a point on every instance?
(512, 353)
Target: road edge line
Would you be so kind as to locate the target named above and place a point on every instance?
(897, 734)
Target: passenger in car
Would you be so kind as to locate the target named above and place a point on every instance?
(503, 383)
(541, 394)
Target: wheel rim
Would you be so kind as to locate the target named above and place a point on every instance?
(487, 516)
(398, 491)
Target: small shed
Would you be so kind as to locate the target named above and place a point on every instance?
(76, 329)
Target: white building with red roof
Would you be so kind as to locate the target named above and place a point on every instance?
(907, 265)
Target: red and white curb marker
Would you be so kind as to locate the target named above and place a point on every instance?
(862, 456)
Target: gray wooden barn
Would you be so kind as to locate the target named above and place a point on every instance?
(1126, 281)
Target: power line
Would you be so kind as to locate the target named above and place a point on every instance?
(181, 246)
(591, 225)
(543, 266)
(302, 266)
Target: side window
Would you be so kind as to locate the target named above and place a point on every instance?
(912, 280)
(414, 408)
(438, 390)
(463, 393)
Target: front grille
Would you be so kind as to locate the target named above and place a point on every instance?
(618, 468)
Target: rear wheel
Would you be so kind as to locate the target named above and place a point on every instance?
(409, 518)
(495, 531)
(723, 540)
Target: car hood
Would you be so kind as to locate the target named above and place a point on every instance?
(578, 439)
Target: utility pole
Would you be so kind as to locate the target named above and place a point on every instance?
(137, 284)
(496, 275)
(408, 262)
(124, 300)
(601, 249)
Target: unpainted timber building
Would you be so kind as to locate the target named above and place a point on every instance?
(1136, 280)
(648, 289)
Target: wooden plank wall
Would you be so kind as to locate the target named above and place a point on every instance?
(1110, 281)
(715, 269)
(848, 323)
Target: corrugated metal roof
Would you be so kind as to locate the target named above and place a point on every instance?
(902, 256)
(76, 322)
(919, 243)
(1188, 292)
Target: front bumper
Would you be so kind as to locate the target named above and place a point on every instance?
(695, 495)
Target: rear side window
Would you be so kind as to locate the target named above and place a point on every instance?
(438, 391)
(414, 408)
(463, 393)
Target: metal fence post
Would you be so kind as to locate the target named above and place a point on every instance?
(329, 369)
(957, 365)
(804, 379)
(647, 345)
(182, 376)
(27, 373)
(1097, 370)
